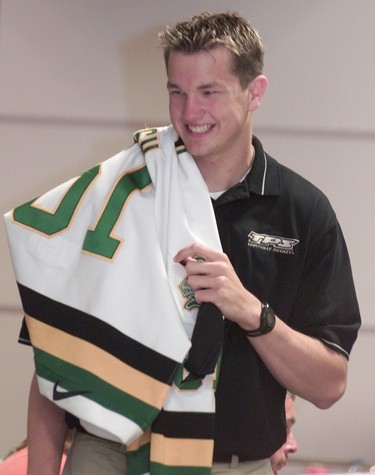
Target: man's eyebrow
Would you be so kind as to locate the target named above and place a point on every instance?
(171, 85)
(291, 421)
(210, 85)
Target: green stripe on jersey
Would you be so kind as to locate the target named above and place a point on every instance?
(160, 469)
(93, 388)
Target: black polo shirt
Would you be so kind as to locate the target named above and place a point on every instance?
(286, 245)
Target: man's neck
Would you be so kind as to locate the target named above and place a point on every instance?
(220, 176)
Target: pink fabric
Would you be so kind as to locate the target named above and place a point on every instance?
(16, 464)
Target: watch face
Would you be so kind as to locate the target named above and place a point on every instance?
(270, 318)
(267, 322)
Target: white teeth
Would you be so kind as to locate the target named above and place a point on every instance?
(199, 129)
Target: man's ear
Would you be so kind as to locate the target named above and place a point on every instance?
(257, 90)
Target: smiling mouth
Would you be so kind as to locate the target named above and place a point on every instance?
(199, 129)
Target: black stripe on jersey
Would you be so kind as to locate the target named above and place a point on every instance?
(99, 333)
(185, 425)
(179, 146)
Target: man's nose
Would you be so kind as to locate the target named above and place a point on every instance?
(291, 445)
(192, 108)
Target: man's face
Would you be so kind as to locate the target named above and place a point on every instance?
(208, 107)
(280, 457)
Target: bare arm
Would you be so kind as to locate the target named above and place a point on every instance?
(300, 363)
(46, 433)
(303, 364)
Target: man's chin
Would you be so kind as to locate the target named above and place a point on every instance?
(197, 147)
(278, 467)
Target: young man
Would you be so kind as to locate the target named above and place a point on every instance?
(280, 275)
(280, 458)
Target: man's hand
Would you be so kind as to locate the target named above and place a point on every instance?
(213, 279)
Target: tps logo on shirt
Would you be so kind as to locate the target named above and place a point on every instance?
(268, 242)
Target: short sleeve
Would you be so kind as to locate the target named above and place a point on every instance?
(334, 317)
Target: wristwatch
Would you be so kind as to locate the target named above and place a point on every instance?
(267, 321)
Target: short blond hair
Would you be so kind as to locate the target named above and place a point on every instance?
(209, 30)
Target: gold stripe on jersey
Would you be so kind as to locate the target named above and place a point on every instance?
(181, 452)
(98, 362)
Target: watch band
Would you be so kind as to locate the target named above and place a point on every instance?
(267, 322)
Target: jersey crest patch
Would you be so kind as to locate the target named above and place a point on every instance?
(188, 294)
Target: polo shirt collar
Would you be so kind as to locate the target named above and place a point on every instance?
(263, 178)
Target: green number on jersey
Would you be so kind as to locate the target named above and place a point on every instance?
(50, 223)
(97, 241)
